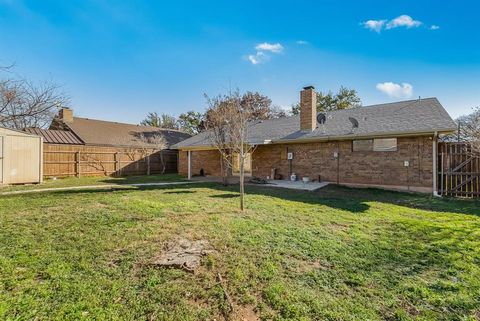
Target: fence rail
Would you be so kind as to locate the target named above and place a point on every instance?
(459, 170)
(68, 160)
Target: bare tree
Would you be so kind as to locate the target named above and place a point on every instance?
(228, 120)
(153, 142)
(469, 130)
(25, 104)
(94, 162)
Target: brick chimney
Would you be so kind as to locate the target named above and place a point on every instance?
(66, 115)
(308, 109)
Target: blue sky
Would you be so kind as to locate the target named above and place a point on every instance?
(119, 60)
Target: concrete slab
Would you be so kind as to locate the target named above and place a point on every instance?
(299, 185)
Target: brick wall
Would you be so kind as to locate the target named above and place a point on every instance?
(209, 160)
(357, 168)
(317, 160)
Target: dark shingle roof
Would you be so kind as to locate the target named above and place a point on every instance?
(106, 133)
(51, 136)
(405, 117)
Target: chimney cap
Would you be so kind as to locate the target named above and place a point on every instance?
(308, 87)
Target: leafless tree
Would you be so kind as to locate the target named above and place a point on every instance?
(94, 162)
(469, 130)
(152, 142)
(25, 104)
(228, 120)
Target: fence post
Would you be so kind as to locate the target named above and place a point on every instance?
(77, 164)
(148, 164)
(117, 164)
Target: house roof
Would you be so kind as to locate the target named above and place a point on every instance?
(51, 136)
(419, 116)
(106, 133)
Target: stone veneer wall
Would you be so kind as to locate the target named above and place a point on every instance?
(316, 160)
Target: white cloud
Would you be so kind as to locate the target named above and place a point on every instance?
(375, 25)
(302, 42)
(258, 58)
(404, 90)
(400, 21)
(403, 21)
(434, 27)
(262, 49)
(272, 47)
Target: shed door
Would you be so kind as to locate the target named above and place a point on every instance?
(1, 159)
(22, 164)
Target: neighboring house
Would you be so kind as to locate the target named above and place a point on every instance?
(76, 146)
(394, 145)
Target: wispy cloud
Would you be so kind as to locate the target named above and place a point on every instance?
(392, 89)
(258, 58)
(434, 27)
(302, 42)
(263, 52)
(272, 47)
(375, 25)
(403, 20)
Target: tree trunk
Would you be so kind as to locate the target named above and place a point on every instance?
(223, 170)
(242, 178)
(162, 162)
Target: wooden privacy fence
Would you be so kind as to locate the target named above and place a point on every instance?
(64, 161)
(459, 170)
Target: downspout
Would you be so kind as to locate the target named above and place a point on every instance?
(435, 165)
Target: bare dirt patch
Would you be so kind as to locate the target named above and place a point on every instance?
(309, 266)
(183, 254)
(245, 313)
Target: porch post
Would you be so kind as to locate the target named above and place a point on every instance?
(189, 153)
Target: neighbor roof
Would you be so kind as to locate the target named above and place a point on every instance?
(51, 136)
(106, 133)
(420, 116)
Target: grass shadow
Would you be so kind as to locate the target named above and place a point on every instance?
(225, 196)
(349, 199)
(180, 192)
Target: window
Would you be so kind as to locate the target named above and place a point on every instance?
(376, 145)
(247, 165)
(364, 145)
(385, 145)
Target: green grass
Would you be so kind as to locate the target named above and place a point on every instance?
(92, 180)
(335, 254)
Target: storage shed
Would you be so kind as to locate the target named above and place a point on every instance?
(20, 157)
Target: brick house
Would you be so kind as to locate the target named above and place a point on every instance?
(388, 146)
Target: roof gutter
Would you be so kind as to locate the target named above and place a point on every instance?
(336, 138)
(351, 137)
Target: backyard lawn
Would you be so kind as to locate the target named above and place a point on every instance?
(334, 254)
(94, 180)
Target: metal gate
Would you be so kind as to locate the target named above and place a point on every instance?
(459, 170)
